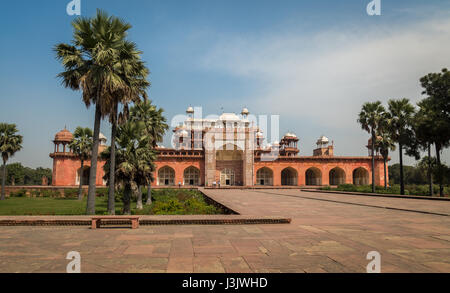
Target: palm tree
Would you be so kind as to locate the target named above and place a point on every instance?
(89, 66)
(134, 159)
(81, 145)
(401, 112)
(10, 143)
(370, 118)
(134, 72)
(384, 144)
(155, 126)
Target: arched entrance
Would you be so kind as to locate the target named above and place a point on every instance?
(83, 175)
(227, 177)
(313, 176)
(166, 176)
(191, 176)
(337, 176)
(289, 177)
(264, 176)
(360, 176)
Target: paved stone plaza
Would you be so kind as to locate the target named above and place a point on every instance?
(328, 233)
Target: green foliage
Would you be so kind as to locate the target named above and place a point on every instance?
(25, 176)
(166, 202)
(19, 193)
(101, 192)
(410, 189)
(71, 193)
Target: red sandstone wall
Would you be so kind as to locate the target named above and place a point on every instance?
(179, 165)
(65, 171)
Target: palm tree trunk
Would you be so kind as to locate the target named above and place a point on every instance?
(149, 194)
(385, 179)
(80, 187)
(430, 175)
(139, 205)
(126, 199)
(112, 165)
(402, 183)
(3, 180)
(373, 160)
(90, 208)
(438, 158)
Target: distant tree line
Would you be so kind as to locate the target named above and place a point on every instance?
(414, 129)
(22, 175)
(417, 174)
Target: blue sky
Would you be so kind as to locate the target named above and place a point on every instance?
(312, 62)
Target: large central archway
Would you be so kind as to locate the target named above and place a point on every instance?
(337, 176)
(264, 176)
(83, 175)
(360, 176)
(166, 176)
(289, 177)
(313, 176)
(230, 164)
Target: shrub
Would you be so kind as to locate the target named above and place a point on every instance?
(19, 193)
(50, 193)
(170, 207)
(71, 193)
(101, 192)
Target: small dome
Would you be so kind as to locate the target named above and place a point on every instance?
(101, 136)
(259, 134)
(64, 136)
(323, 140)
(291, 135)
(245, 111)
(190, 110)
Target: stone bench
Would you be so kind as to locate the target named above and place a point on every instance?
(96, 221)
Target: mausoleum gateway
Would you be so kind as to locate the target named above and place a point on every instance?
(229, 151)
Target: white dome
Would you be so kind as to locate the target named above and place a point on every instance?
(190, 110)
(101, 136)
(323, 140)
(229, 117)
(290, 135)
(259, 134)
(245, 111)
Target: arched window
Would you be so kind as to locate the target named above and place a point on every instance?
(166, 176)
(264, 176)
(289, 177)
(360, 176)
(192, 176)
(337, 176)
(313, 176)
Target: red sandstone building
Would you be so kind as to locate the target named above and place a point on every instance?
(230, 151)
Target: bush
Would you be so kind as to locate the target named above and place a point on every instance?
(19, 193)
(170, 207)
(50, 193)
(101, 192)
(71, 193)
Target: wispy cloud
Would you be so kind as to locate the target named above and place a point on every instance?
(323, 79)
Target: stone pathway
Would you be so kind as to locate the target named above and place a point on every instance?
(328, 233)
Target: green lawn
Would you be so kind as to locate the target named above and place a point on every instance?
(165, 202)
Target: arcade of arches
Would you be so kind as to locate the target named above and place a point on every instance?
(232, 161)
